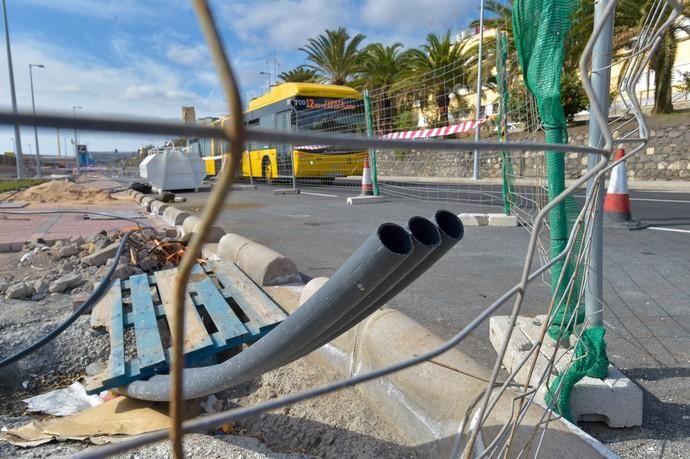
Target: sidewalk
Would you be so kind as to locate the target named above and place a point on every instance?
(16, 229)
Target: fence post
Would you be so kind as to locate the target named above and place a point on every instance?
(370, 133)
(477, 129)
(601, 81)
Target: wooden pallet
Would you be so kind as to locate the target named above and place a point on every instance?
(223, 309)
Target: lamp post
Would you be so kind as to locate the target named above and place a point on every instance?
(269, 78)
(17, 134)
(33, 108)
(76, 149)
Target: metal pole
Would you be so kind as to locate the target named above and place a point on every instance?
(475, 166)
(601, 83)
(76, 152)
(58, 142)
(33, 108)
(370, 133)
(13, 95)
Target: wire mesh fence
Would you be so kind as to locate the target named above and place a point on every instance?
(512, 416)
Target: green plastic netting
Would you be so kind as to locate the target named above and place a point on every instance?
(540, 28)
(506, 163)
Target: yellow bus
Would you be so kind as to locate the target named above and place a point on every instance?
(298, 107)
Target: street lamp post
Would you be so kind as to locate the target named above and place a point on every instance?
(76, 149)
(17, 134)
(269, 78)
(33, 108)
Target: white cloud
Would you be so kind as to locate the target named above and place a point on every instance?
(418, 16)
(142, 86)
(284, 24)
(186, 54)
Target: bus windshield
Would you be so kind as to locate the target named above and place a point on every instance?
(328, 115)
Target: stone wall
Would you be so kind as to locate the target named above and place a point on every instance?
(666, 157)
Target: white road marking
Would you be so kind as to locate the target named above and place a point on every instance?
(323, 194)
(673, 230)
(647, 199)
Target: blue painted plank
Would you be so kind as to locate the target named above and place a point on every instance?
(195, 334)
(261, 310)
(117, 331)
(149, 346)
(228, 324)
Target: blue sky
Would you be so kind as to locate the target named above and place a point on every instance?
(148, 57)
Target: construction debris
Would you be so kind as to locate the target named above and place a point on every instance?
(63, 402)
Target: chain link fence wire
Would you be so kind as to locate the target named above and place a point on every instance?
(526, 428)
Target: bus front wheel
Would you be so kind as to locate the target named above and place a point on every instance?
(267, 171)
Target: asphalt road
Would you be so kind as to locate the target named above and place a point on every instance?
(646, 279)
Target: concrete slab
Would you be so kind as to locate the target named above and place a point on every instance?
(13, 205)
(473, 219)
(354, 200)
(616, 400)
(283, 191)
(502, 220)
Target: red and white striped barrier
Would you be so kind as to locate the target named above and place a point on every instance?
(459, 128)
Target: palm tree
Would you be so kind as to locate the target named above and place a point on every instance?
(439, 64)
(334, 56)
(380, 67)
(299, 74)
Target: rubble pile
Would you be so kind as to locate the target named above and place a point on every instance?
(77, 265)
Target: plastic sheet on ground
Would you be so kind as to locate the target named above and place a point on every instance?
(63, 402)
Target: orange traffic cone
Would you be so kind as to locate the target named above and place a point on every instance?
(367, 185)
(617, 200)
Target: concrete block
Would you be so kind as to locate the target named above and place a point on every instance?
(210, 252)
(355, 200)
(281, 191)
(616, 400)
(100, 257)
(138, 196)
(502, 220)
(188, 225)
(158, 207)
(174, 216)
(214, 233)
(263, 265)
(470, 219)
(146, 203)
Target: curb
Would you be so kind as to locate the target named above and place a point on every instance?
(430, 401)
(190, 225)
(481, 219)
(158, 207)
(263, 265)
(174, 216)
(283, 191)
(354, 200)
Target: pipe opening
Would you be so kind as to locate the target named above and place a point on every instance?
(424, 231)
(450, 224)
(395, 238)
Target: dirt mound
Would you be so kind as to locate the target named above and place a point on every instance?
(61, 191)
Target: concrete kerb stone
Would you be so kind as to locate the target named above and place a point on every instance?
(146, 203)
(502, 220)
(158, 207)
(174, 216)
(428, 402)
(188, 225)
(355, 200)
(283, 191)
(263, 265)
(214, 233)
(616, 400)
(473, 219)
(138, 196)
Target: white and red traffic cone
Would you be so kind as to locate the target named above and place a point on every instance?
(367, 185)
(617, 200)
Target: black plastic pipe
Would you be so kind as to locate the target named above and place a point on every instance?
(366, 269)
